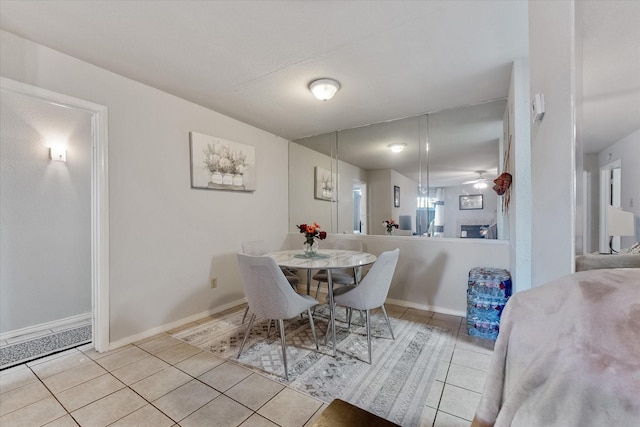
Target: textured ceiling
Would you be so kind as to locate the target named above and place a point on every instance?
(253, 60)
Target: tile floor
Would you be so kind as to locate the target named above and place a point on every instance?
(162, 381)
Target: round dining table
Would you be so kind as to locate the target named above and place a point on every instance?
(325, 259)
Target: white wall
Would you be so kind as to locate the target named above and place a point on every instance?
(166, 239)
(519, 130)
(552, 65)
(305, 208)
(432, 273)
(454, 217)
(380, 198)
(347, 175)
(592, 201)
(408, 199)
(45, 213)
(627, 150)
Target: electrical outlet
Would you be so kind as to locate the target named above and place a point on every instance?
(214, 282)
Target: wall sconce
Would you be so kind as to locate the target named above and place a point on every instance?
(58, 154)
(397, 147)
(324, 89)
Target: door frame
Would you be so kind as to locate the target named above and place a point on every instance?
(99, 200)
(605, 196)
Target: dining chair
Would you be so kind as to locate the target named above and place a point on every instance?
(371, 292)
(259, 248)
(270, 296)
(341, 276)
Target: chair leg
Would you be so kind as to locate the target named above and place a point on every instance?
(326, 335)
(284, 348)
(317, 292)
(388, 322)
(349, 313)
(246, 310)
(313, 329)
(368, 318)
(246, 334)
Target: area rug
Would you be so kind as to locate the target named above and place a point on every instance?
(395, 386)
(15, 354)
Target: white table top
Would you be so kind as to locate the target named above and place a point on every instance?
(326, 259)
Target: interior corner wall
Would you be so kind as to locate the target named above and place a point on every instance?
(166, 239)
(520, 158)
(552, 66)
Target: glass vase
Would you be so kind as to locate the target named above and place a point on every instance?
(310, 248)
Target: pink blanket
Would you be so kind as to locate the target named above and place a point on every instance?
(568, 354)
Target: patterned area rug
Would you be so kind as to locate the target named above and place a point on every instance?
(395, 386)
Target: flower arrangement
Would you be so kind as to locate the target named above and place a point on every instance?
(223, 160)
(311, 232)
(390, 224)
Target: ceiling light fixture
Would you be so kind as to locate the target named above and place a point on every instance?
(397, 147)
(324, 89)
(480, 185)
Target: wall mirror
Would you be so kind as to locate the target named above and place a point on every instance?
(441, 156)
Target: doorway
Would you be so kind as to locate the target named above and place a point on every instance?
(359, 207)
(610, 194)
(98, 201)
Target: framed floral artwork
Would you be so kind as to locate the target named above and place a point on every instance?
(325, 183)
(470, 202)
(218, 164)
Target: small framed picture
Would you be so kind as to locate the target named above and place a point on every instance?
(396, 196)
(325, 182)
(471, 201)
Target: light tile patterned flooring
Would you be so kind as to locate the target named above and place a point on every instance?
(162, 381)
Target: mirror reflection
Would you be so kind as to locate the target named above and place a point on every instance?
(431, 174)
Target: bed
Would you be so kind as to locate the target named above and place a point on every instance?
(568, 354)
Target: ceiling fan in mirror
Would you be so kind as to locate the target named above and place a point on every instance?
(479, 183)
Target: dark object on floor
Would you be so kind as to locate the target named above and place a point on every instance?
(343, 414)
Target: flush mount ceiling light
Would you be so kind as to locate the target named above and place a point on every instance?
(324, 89)
(397, 147)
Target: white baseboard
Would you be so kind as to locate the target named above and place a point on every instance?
(61, 323)
(425, 307)
(401, 303)
(164, 328)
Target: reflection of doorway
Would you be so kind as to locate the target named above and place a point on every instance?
(610, 194)
(359, 207)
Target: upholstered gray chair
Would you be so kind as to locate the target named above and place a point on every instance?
(270, 296)
(258, 248)
(341, 276)
(371, 292)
